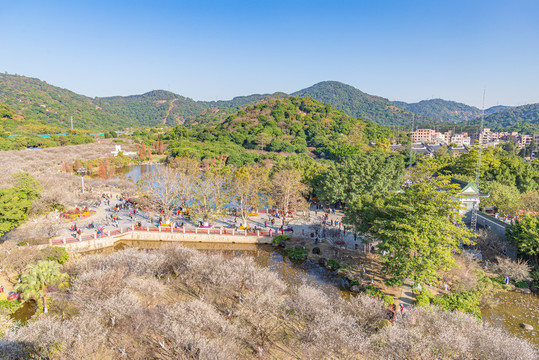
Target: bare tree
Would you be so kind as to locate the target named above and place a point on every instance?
(288, 192)
(518, 270)
(211, 192)
(250, 187)
(189, 170)
(162, 185)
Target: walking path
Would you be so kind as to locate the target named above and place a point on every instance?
(302, 226)
(407, 297)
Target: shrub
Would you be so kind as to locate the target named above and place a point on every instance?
(297, 253)
(333, 265)
(388, 300)
(522, 284)
(467, 301)
(373, 291)
(8, 306)
(423, 298)
(277, 240)
(56, 253)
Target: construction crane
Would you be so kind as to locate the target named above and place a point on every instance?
(473, 223)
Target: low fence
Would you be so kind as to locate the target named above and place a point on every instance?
(166, 229)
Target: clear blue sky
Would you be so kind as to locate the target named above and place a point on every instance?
(208, 50)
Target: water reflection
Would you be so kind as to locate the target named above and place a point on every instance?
(513, 309)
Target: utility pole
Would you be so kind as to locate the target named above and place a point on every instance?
(72, 123)
(473, 223)
(411, 140)
(82, 171)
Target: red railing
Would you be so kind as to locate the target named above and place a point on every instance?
(198, 231)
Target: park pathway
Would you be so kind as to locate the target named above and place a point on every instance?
(407, 297)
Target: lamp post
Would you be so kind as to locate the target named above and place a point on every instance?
(82, 171)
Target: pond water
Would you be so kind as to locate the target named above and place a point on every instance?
(513, 309)
(25, 312)
(135, 172)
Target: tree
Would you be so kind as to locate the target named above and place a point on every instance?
(525, 235)
(142, 152)
(517, 270)
(162, 185)
(529, 201)
(16, 201)
(34, 283)
(211, 192)
(189, 170)
(249, 189)
(288, 191)
(358, 175)
(504, 197)
(420, 227)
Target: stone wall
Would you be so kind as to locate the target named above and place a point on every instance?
(99, 243)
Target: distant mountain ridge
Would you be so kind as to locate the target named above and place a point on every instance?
(524, 119)
(356, 103)
(448, 110)
(34, 98)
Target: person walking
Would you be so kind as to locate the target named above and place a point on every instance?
(402, 309)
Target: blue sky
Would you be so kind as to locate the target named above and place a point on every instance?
(208, 50)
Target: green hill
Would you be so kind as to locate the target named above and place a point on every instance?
(19, 132)
(38, 100)
(153, 108)
(294, 124)
(359, 104)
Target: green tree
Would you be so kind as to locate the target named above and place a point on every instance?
(359, 175)
(16, 201)
(504, 197)
(420, 227)
(525, 235)
(34, 283)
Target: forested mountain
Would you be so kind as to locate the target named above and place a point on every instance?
(40, 101)
(448, 110)
(359, 104)
(521, 118)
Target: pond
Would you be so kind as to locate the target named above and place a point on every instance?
(135, 172)
(25, 312)
(513, 309)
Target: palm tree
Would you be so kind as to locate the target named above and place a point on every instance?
(34, 283)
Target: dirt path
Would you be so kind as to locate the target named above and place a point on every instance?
(407, 297)
(168, 111)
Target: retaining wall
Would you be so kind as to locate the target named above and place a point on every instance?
(199, 237)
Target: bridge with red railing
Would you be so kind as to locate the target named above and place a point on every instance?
(167, 229)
